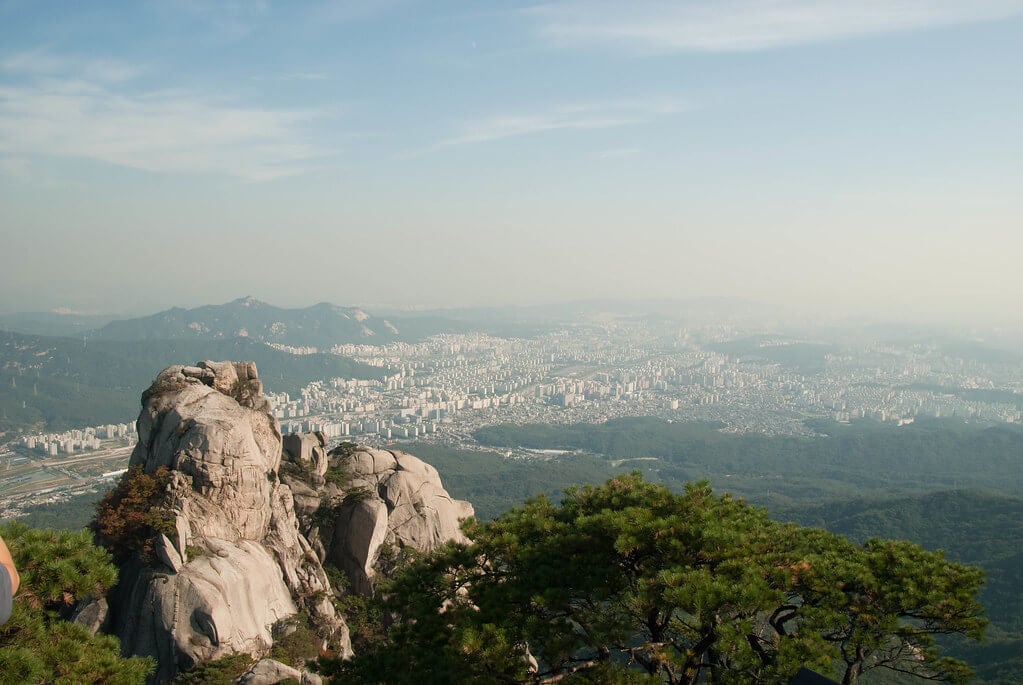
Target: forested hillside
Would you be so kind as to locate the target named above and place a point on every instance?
(628, 582)
(863, 480)
(57, 383)
(863, 457)
(973, 527)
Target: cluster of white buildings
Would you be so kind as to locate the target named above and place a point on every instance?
(340, 430)
(79, 439)
(594, 373)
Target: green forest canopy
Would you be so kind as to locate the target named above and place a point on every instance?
(629, 582)
(864, 457)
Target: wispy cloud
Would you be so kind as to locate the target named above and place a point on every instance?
(665, 26)
(16, 167)
(81, 115)
(44, 63)
(566, 117)
(340, 11)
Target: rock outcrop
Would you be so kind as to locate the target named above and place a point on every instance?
(270, 672)
(236, 563)
(389, 500)
(309, 450)
(248, 519)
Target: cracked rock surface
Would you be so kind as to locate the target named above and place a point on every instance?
(399, 500)
(237, 563)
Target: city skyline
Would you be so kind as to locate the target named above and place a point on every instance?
(818, 155)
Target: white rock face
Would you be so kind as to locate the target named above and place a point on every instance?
(210, 425)
(270, 672)
(400, 500)
(221, 602)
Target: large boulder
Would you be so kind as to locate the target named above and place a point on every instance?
(236, 562)
(393, 499)
(92, 613)
(307, 449)
(223, 601)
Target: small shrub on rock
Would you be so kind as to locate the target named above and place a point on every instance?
(222, 671)
(130, 515)
(296, 647)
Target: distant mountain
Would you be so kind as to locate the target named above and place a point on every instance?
(324, 325)
(56, 383)
(321, 325)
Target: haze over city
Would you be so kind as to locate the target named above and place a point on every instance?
(831, 156)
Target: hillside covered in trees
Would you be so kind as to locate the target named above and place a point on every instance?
(629, 582)
(943, 484)
(57, 383)
(862, 457)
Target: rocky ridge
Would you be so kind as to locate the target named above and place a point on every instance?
(386, 499)
(251, 533)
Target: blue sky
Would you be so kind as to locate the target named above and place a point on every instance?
(849, 156)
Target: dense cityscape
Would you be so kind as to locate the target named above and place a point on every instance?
(447, 386)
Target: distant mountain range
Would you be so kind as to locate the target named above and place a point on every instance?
(59, 323)
(325, 325)
(321, 325)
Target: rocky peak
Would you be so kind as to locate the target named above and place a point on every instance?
(237, 563)
(251, 519)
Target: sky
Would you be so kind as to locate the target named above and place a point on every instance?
(831, 155)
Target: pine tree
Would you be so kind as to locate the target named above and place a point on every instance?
(629, 581)
(58, 570)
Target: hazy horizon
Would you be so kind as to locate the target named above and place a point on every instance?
(748, 315)
(825, 157)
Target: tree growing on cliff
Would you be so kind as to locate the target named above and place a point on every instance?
(130, 515)
(58, 570)
(628, 582)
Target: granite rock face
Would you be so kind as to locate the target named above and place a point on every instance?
(393, 499)
(308, 449)
(252, 519)
(270, 672)
(237, 563)
(93, 614)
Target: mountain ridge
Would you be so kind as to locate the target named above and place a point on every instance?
(321, 325)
